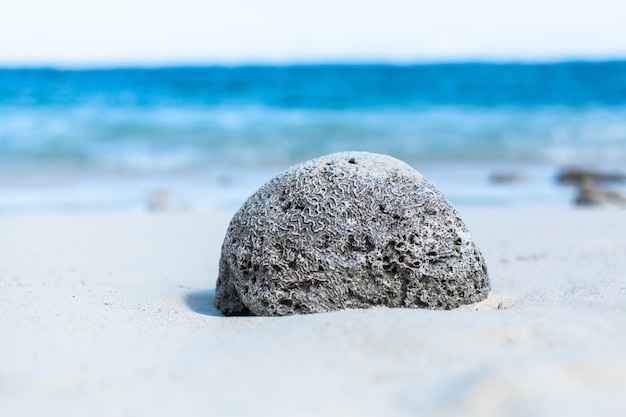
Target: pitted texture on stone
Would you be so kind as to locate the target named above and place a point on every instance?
(348, 230)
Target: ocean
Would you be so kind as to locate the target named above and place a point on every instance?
(207, 137)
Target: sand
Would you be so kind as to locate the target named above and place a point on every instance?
(108, 314)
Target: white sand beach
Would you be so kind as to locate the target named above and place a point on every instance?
(106, 314)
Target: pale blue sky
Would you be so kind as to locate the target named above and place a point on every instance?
(153, 32)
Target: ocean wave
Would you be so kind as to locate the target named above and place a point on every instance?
(166, 139)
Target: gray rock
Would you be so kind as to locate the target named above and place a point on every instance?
(506, 177)
(590, 193)
(347, 230)
(577, 176)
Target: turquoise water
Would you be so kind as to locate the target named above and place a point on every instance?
(106, 139)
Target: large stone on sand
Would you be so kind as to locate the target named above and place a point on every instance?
(348, 230)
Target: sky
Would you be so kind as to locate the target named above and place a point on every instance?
(196, 32)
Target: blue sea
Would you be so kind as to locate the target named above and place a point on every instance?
(207, 137)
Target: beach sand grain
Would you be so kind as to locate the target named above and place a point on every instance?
(108, 314)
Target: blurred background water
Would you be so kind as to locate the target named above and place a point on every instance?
(207, 137)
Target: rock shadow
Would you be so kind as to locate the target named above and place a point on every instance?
(202, 302)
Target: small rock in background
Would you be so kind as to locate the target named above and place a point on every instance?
(164, 201)
(578, 175)
(506, 177)
(591, 186)
(590, 193)
(348, 230)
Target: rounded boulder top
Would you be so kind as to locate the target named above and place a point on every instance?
(347, 230)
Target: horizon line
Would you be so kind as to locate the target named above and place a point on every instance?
(301, 63)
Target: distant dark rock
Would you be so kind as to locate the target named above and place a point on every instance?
(592, 186)
(348, 230)
(506, 177)
(590, 193)
(580, 175)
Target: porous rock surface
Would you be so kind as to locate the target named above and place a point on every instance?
(347, 230)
